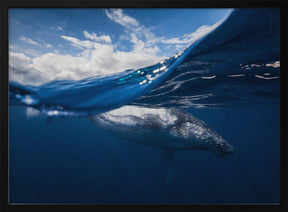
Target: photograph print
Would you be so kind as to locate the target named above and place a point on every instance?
(144, 106)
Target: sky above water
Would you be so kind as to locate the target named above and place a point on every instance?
(57, 44)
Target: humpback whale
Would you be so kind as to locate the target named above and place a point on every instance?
(171, 129)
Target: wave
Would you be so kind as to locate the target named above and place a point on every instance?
(237, 61)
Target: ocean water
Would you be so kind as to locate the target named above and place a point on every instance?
(230, 79)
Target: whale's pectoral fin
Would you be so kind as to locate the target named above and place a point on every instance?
(168, 160)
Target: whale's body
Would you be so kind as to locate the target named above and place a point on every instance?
(169, 129)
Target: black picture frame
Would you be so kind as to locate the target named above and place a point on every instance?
(4, 127)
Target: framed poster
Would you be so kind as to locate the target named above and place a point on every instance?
(144, 106)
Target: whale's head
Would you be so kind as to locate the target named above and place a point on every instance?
(196, 134)
(220, 147)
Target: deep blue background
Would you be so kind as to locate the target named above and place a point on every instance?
(71, 161)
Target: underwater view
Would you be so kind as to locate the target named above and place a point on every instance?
(144, 106)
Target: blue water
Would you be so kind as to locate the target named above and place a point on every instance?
(229, 79)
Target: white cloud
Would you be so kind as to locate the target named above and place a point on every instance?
(192, 37)
(12, 47)
(119, 17)
(78, 43)
(32, 52)
(48, 45)
(59, 28)
(29, 40)
(95, 37)
(22, 70)
(19, 60)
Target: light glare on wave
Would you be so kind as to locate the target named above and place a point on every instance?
(267, 78)
(210, 77)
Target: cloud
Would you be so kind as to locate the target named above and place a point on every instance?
(119, 17)
(12, 47)
(29, 40)
(22, 71)
(19, 60)
(32, 52)
(192, 37)
(78, 43)
(95, 37)
(59, 28)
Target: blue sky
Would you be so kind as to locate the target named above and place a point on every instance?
(49, 44)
